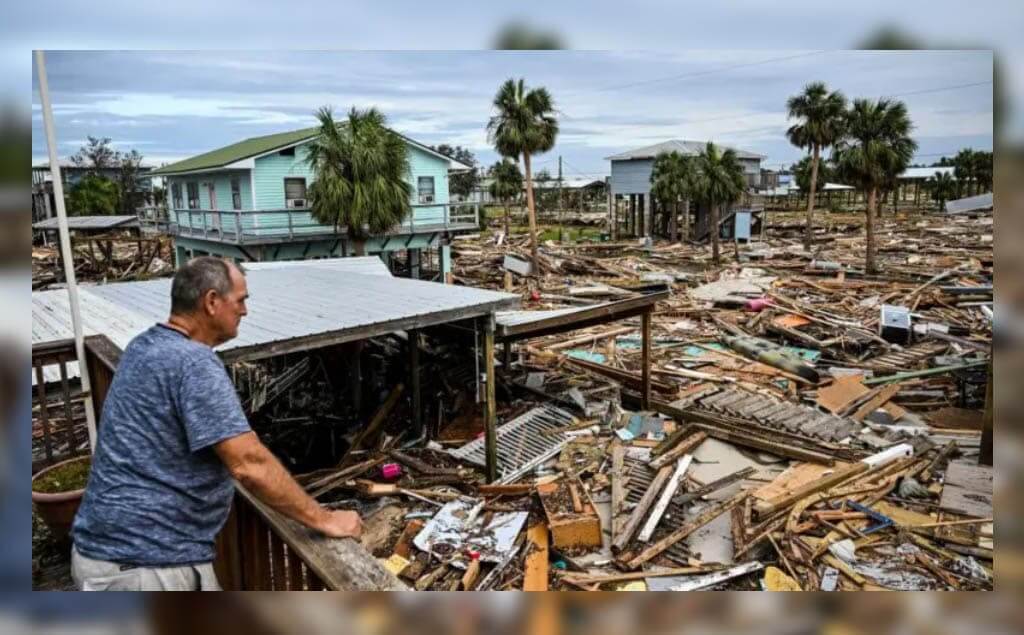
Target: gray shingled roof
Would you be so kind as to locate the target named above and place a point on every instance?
(682, 146)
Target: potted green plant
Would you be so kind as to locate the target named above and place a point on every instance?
(57, 492)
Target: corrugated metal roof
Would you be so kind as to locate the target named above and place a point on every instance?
(970, 204)
(368, 265)
(88, 222)
(287, 305)
(926, 173)
(515, 318)
(682, 146)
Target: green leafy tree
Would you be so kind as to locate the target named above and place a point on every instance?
(673, 180)
(875, 149)
(93, 195)
(720, 183)
(361, 172)
(506, 184)
(462, 182)
(96, 155)
(983, 171)
(821, 115)
(132, 193)
(524, 124)
(942, 187)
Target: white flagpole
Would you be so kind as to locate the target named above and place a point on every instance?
(65, 248)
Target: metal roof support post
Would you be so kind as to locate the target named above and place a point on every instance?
(414, 382)
(65, 248)
(490, 416)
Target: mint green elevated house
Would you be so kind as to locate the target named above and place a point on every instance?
(248, 201)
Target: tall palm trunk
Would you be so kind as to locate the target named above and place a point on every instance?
(809, 232)
(869, 260)
(531, 214)
(715, 257)
(686, 220)
(672, 221)
(508, 225)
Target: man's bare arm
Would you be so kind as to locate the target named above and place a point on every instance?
(259, 471)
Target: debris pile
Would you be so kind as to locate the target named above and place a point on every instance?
(809, 427)
(105, 259)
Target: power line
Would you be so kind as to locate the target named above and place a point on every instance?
(698, 73)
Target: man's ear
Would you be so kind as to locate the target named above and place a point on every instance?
(209, 299)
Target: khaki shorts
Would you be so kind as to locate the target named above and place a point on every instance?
(100, 575)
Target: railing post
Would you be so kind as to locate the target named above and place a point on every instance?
(238, 226)
(290, 230)
(205, 229)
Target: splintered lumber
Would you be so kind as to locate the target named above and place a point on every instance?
(421, 466)
(684, 448)
(624, 377)
(758, 443)
(640, 511)
(618, 488)
(713, 486)
(671, 440)
(514, 489)
(699, 582)
(685, 530)
(375, 423)
(763, 509)
(872, 404)
(582, 579)
(666, 497)
(535, 575)
(571, 515)
(589, 338)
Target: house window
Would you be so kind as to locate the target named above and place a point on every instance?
(193, 195)
(425, 189)
(236, 194)
(295, 192)
(176, 196)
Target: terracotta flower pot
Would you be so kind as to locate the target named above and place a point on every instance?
(58, 510)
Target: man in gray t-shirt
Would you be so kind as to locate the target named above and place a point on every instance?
(172, 435)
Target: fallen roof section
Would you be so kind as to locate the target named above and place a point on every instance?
(978, 203)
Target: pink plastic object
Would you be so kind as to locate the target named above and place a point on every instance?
(758, 304)
(391, 471)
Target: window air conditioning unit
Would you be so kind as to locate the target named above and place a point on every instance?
(427, 198)
(296, 203)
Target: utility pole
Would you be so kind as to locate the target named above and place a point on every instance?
(561, 206)
(65, 248)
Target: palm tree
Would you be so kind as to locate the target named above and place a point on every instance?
(963, 168)
(983, 171)
(506, 184)
(942, 186)
(524, 125)
(673, 179)
(720, 182)
(876, 147)
(821, 124)
(361, 175)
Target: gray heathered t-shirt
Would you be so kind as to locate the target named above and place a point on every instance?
(157, 492)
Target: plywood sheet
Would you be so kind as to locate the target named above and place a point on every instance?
(841, 393)
(967, 490)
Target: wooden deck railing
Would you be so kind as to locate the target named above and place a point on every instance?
(58, 411)
(258, 549)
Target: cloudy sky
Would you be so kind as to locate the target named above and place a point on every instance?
(171, 105)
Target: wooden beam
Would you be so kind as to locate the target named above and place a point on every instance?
(685, 530)
(640, 511)
(645, 373)
(490, 416)
(535, 574)
(414, 381)
(666, 497)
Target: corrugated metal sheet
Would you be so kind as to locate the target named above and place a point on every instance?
(926, 173)
(970, 204)
(302, 300)
(515, 318)
(88, 222)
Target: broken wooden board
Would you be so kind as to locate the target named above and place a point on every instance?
(793, 478)
(967, 490)
(535, 574)
(572, 519)
(841, 393)
(883, 396)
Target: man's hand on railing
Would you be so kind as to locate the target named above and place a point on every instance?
(341, 524)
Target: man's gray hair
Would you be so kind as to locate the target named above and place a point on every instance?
(195, 278)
